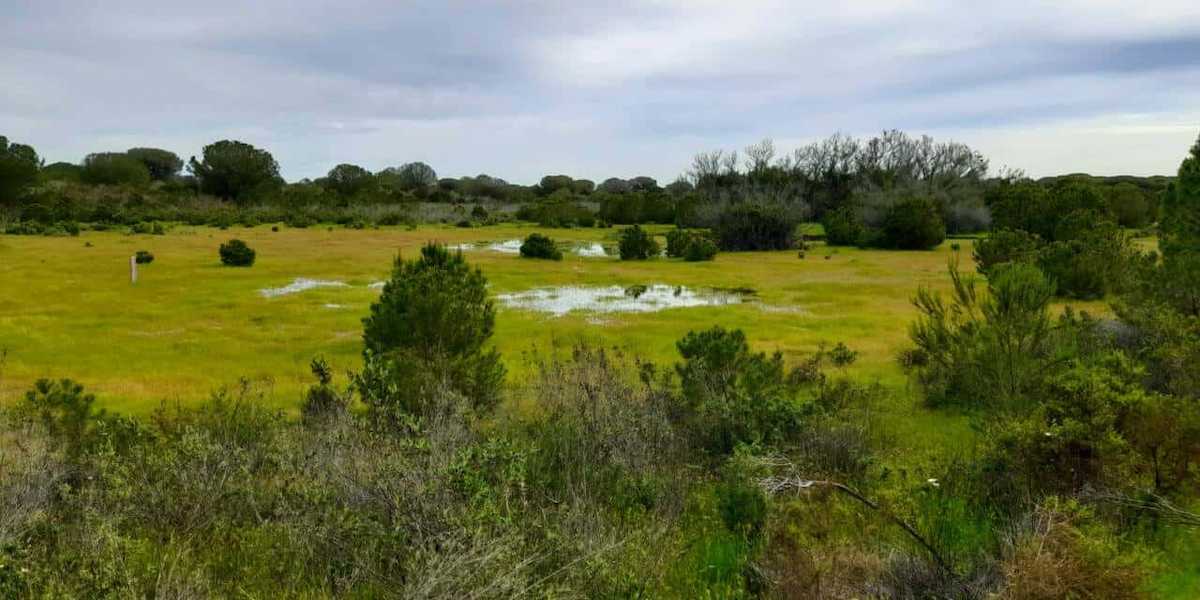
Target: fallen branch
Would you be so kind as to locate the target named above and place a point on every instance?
(775, 485)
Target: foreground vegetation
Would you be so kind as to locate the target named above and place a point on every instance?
(1021, 424)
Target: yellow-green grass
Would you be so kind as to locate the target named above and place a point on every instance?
(191, 325)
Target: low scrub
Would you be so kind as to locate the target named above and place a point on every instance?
(235, 253)
(540, 246)
(637, 244)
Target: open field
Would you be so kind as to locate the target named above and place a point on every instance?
(191, 325)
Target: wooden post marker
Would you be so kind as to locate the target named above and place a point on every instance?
(133, 269)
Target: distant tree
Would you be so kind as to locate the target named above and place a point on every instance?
(583, 186)
(913, 224)
(114, 168)
(19, 166)
(614, 185)
(162, 164)
(1179, 280)
(680, 187)
(553, 183)
(410, 176)
(234, 170)
(347, 180)
(643, 184)
(1129, 205)
(61, 171)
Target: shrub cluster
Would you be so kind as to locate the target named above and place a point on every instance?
(235, 253)
(637, 244)
(540, 246)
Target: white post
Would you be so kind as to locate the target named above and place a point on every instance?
(133, 269)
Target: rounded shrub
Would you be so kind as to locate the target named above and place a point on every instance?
(699, 248)
(637, 244)
(748, 226)
(843, 227)
(912, 224)
(540, 246)
(235, 253)
(143, 257)
(1006, 246)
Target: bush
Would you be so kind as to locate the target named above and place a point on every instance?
(637, 244)
(113, 168)
(235, 253)
(747, 226)
(700, 248)
(479, 213)
(734, 396)
(322, 400)
(143, 257)
(912, 224)
(540, 246)
(677, 241)
(843, 227)
(426, 335)
(1005, 246)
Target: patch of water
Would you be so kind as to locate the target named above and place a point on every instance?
(335, 306)
(559, 301)
(593, 250)
(300, 284)
(506, 247)
(377, 285)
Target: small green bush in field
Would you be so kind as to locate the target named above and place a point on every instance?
(637, 244)
(700, 248)
(143, 257)
(235, 253)
(540, 246)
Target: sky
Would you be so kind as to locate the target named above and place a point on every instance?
(601, 89)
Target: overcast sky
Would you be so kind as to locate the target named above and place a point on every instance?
(600, 89)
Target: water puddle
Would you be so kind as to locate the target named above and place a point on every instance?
(505, 247)
(559, 301)
(593, 250)
(300, 284)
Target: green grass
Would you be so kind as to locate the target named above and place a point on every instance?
(191, 325)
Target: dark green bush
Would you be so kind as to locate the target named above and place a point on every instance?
(479, 213)
(677, 241)
(540, 246)
(235, 253)
(748, 226)
(426, 334)
(637, 244)
(912, 224)
(700, 248)
(143, 257)
(114, 168)
(322, 400)
(1005, 246)
(843, 227)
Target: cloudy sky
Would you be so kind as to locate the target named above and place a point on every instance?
(599, 89)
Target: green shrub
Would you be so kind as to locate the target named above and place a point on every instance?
(636, 244)
(322, 400)
(114, 168)
(843, 227)
(912, 224)
(479, 213)
(235, 253)
(749, 226)
(426, 334)
(1005, 246)
(700, 248)
(143, 257)
(734, 396)
(677, 241)
(540, 246)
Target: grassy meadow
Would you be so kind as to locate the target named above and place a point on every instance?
(191, 325)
